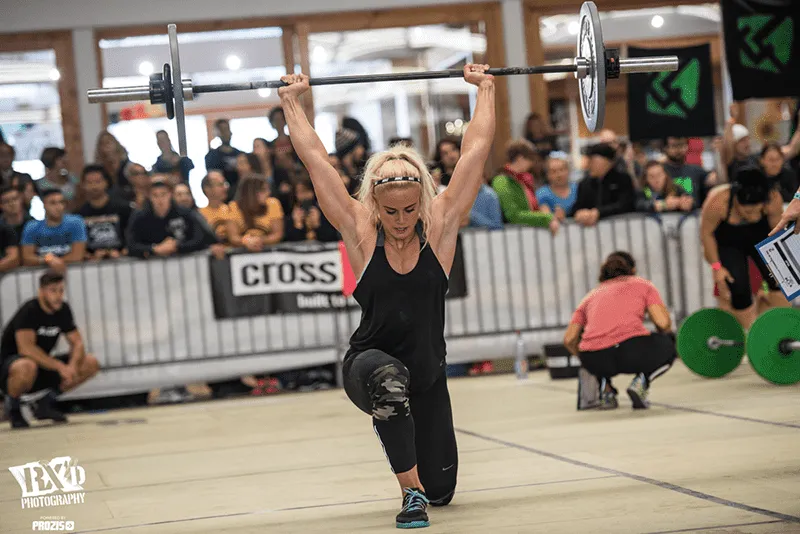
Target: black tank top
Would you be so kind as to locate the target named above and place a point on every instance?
(403, 314)
(743, 235)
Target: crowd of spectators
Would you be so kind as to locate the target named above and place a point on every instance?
(118, 207)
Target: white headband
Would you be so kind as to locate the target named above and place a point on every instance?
(396, 179)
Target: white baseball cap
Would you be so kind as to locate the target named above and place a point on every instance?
(740, 132)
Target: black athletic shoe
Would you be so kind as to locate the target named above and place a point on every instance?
(46, 408)
(14, 412)
(414, 513)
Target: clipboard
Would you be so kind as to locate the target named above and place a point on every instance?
(781, 254)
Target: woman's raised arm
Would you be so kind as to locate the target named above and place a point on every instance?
(337, 205)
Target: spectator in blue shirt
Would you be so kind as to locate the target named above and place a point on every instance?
(57, 240)
(559, 196)
(486, 211)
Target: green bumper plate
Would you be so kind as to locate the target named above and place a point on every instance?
(693, 339)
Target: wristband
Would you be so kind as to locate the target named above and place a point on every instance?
(716, 266)
(796, 196)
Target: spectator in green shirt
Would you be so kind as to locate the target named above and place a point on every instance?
(515, 188)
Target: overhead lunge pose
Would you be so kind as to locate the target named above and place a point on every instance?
(401, 240)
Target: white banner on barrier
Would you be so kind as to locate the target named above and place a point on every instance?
(285, 272)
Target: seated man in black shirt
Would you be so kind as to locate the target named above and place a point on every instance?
(106, 218)
(605, 191)
(26, 365)
(164, 229)
(9, 248)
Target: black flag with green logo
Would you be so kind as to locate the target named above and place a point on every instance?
(675, 104)
(762, 47)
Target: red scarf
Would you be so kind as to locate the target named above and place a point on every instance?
(525, 179)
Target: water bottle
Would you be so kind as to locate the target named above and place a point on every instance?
(520, 359)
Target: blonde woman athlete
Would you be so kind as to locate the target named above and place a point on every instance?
(401, 240)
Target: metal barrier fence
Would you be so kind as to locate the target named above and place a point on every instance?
(151, 323)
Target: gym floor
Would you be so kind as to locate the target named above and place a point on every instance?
(709, 456)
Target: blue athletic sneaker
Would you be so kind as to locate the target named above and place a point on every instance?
(414, 513)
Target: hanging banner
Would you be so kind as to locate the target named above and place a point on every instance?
(672, 104)
(762, 48)
(295, 278)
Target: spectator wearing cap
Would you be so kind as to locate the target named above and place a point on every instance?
(56, 174)
(447, 154)
(163, 228)
(515, 188)
(605, 191)
(736, 151)
(559, 195)
(57, 240)
(690, 178)
(223, 158)
(351, 152)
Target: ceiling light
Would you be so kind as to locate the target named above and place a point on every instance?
(146, 68)
(55, 75)
(657, 21)
(573, 27)
(319, 55)
(233, 62)
(264, 92)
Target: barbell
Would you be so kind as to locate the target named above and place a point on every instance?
(593, 65)
(712, 343)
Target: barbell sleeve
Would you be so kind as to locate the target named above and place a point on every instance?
(634, 65)
(132, 93)
(714, 343)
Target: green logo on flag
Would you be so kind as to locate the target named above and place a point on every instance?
(767, 44)
(675, 94)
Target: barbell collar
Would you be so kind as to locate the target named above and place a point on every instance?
(132, 93)
(787, 346)
(582, 67)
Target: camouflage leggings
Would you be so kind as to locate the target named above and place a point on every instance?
(414, 429)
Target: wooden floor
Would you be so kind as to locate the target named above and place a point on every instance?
(710, 456)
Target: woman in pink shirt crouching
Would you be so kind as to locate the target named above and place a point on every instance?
(607, 331)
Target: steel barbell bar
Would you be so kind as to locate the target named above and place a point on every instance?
(592, 66)
(579, 67)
